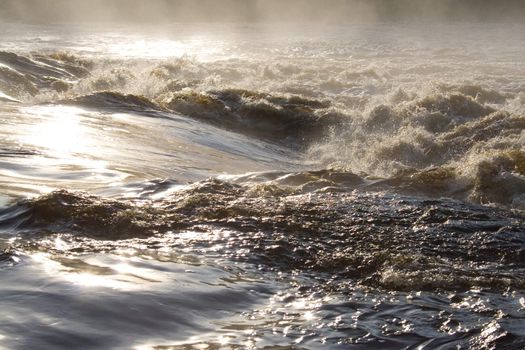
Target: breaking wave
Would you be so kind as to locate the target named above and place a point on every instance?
(460, 140)
(114, 100)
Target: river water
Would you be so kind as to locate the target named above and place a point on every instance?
(262, 187)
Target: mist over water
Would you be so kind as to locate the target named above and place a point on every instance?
(262, 174)
(250, 11)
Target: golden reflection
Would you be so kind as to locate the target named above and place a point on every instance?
(89, 280)
(225, 339)
(60, 245)
(309, 315)
(87, 273)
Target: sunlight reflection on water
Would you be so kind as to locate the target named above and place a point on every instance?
(148, 49)
(95, 273)
(162, 48)
(61, 131)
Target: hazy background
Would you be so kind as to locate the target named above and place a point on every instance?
(332, 11)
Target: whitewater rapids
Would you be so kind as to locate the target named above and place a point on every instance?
(233, 187)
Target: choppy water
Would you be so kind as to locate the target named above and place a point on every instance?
(358, 187)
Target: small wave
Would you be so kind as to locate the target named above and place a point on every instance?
(9, 257)
(483, 95)
(456, 105)
(16, 152)
(22, 76)
(40, 67)
(437, 113)
(496, 180)
(7, 98)
(499, 179)
(16, 83)
(82, 213)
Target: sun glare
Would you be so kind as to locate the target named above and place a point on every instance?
(133, 48)
(65, 140)
(61, 130)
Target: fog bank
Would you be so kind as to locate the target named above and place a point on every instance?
(313, 11)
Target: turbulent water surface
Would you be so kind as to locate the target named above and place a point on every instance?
(359, 187)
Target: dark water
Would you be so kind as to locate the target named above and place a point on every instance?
(231, 188)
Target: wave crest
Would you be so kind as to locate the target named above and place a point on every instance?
(258, 114)
(110, 99)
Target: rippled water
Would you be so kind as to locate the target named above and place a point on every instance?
(224, 187)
